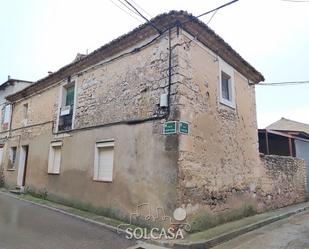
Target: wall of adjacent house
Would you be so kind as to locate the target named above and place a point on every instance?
(10, 89)
(302, 151)
(145, 161)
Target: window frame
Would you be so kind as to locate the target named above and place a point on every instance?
(51, 170)
(62, 100)
(98, 146)
(25, 113)
(6, 116)
(225, 69)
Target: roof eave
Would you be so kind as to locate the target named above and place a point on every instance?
(164, 22)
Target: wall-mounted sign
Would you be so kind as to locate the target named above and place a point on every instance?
(170, 127)
(183, 127)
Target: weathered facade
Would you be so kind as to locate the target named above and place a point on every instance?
(9, 87)
(94, 132)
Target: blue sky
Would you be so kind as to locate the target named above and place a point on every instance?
(273, 35)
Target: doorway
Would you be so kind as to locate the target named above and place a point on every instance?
(22, 166)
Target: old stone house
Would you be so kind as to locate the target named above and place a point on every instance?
(95, 128)
(8, 87)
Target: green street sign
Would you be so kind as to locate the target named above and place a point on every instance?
(183, 127)
(170, 127)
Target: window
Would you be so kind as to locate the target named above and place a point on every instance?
(54, 160)
(12, 158)
(65, 120)
(227, 94)
(6, 116)
(104, 161)
(225, 86)
(25, 111)
(69, 98)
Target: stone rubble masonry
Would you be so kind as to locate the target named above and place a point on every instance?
(283, 181)
(219, 164)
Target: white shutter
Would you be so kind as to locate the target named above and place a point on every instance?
(54, 160)
(105, 169)
(57, 158)
(104, 161)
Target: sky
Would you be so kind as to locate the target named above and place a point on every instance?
(272, 35)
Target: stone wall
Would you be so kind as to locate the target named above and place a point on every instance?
(127, 89)
(220, 169)
(283, 181)
(219, 158)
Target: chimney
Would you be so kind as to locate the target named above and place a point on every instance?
(9, 77)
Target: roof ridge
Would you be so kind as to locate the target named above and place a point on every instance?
(294, 121)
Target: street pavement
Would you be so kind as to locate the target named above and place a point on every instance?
(27, 226)
(290, 233)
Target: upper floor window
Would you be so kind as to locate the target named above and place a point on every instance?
(69, 95)
(6, 116)
(25, 111)
(25, 114)
(65, 120)
(227, 87)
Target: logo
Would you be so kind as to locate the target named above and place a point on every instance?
(170, 228)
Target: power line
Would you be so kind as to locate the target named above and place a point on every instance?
(212, 17)
(125, 11)
(151, 24)
(136, 4)
(128, 8)
(220, 7)
(284, 83)
(210, 11)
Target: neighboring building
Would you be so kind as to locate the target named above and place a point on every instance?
(9, 87)
(94, 132)
(288, 125)
(286, 138)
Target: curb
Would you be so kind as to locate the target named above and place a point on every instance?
(231, 235)
(84, 219)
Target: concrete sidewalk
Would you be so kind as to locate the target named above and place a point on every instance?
(225, 232)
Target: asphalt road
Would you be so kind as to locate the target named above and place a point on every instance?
(27, 226)
(290, 233)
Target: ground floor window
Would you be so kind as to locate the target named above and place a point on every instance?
(104, 161)
(54, 160)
